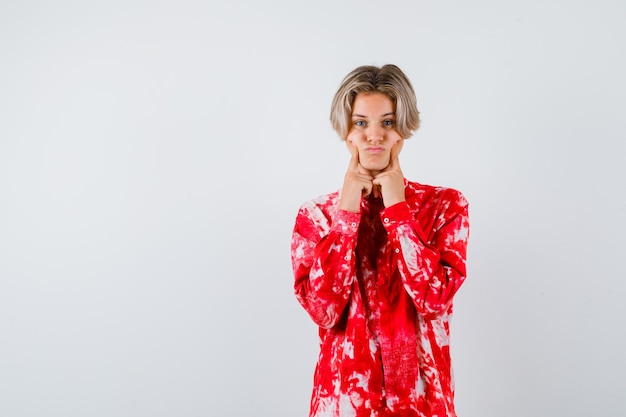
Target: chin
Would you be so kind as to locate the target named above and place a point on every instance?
(376, 165)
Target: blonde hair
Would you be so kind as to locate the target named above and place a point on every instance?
(389, 80)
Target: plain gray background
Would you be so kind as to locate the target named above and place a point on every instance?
(153, 155)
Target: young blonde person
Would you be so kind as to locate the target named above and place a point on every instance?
(378, 262)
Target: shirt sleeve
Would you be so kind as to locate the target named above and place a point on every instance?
(323, 263)
(431, 264)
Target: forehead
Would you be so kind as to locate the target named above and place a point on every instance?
(372, 104)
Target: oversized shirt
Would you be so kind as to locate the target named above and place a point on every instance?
(379, 284)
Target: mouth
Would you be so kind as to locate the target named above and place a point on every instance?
(375, 149)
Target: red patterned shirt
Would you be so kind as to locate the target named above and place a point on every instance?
(379, 284)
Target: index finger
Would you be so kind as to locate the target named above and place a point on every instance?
(354, 160)
(394, 161)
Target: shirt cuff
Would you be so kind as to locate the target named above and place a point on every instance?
(346, 222)
(400, 214)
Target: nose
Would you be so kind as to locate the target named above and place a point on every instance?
(375, 134)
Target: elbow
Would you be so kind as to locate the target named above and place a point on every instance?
(434, 310)
(324, 313)
(325, 317)
(434, 302)
(326, 322)
(437, 303)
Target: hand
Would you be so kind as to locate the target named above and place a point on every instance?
(356, 184)
(391, 179)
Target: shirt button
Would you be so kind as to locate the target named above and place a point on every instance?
(353, 224)
(386, 219)
(346, 258)
(397, 250)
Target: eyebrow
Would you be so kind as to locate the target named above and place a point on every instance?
(365, 117)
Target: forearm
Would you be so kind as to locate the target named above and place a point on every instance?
(324, 270)
(431, 271)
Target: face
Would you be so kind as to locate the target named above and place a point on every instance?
(373, 130)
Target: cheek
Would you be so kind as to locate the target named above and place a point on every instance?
(395, 137)
(355, 137)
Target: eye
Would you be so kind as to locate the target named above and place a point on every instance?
(359, 123)
(388, 123)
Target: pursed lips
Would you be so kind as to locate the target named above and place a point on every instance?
(375, 149)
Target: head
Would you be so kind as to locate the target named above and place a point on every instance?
(388, 80)
(374, 110)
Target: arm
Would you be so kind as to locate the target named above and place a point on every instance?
(432, 270)
(322, 249)
(323, 265)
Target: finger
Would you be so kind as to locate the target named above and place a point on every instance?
(354, 159)
(367, 189)
(364, 176)
(377, 188)
(394, 161)
(381, 174)
(363, 172)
